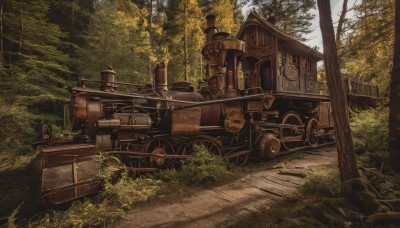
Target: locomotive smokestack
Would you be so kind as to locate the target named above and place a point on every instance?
(211, 27)
(211, 20)
(160, 77)
(108, 80)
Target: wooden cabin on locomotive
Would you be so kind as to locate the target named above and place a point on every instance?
(286, 71)
(275, 60)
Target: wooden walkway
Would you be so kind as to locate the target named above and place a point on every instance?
(225, 205)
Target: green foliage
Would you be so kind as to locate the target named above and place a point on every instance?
(366, 202)
(293, 17)
(203, 168)
(368, 45)
(31, 61)
(105, 208)
(128, 193)
(370, 130)
(322, 185)
(224, 11)
(81, 214)
(178, 23)
(16, 181)
(12, 218)
(117, 37)
(16, 130)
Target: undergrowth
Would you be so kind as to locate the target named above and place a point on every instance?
(117, 198)
(105, 208)
(370, 136)
(203, 168)
(319, 204)
(322, 185)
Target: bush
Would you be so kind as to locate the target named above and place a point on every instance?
(370, 130)
(127, 192)
(203, 168)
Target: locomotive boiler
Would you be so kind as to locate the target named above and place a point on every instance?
(278, 110)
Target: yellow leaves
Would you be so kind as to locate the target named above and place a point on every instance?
(126, 21)
(223, 9)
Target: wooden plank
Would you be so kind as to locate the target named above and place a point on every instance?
(278, 181)
(291, 179)
(268, 187)
(319, 153)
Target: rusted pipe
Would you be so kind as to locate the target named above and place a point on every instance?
(160, 77)
(211, 27)
(108, 80)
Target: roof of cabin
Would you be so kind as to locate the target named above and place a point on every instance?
(290, 41)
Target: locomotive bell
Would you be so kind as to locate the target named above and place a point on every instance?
(108, 80)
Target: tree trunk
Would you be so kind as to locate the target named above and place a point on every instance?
(150, 37)
(1, 35)
(339, 29)
(185, 48)
(22, 31)
(347, 160)
(394, 103)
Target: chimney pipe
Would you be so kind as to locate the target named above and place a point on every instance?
(160, 77)
(108, 80)
(211, 27)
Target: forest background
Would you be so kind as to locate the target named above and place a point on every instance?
(46, 45)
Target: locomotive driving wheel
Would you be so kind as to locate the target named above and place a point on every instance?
(313, 133)
(159, 146)
(292, 133)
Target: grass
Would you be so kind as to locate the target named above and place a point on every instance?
(16, 181)
(319, 204)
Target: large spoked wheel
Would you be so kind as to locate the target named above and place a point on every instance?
(159, 146)
(292, 134)
(313, 133)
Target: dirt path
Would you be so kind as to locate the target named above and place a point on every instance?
(230, 203)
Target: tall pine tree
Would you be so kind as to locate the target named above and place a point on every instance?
(292, 16)
(184, 19)
(118, 37)
(33, 70)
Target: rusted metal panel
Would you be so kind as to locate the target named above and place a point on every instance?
(254, 106)
(186, 121)
(211, 115)
(57, 155)
(68, 172)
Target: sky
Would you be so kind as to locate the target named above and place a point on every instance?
(315, 37)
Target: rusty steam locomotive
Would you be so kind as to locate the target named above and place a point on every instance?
(278, 110)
